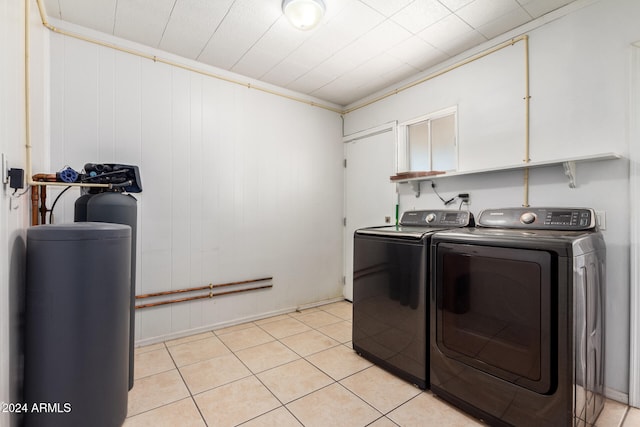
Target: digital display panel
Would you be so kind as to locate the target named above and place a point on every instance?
(564, 217)
(451, 216)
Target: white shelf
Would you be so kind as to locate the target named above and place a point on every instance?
(568, 165)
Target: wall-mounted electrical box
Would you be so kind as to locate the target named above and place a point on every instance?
(13, 177)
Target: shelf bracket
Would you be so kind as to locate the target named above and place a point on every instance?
(415, 186)
(570, 172)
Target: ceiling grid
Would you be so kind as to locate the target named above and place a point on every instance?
(360, 47)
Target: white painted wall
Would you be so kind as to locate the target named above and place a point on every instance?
(237, 183)
(11, 236)
(579, 106)
(14, 210)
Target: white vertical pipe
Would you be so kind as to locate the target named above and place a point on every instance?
(634, 188)
(527, 98)
(27, 94)
(27, 107)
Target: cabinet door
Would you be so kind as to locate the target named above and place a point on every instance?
(370, 198)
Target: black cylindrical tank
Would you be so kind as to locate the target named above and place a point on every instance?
(80, 208)
(120, 208)
(77, 324)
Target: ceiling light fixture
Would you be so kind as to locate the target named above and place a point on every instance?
(303, 14)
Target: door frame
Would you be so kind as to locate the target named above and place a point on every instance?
(366, 133)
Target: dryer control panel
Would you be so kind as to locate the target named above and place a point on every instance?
(437, 218)
(539, 218)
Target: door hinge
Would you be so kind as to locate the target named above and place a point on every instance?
(344, 163)
(344, 280)
(344, 221)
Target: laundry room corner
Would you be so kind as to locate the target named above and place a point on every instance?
(560, 127)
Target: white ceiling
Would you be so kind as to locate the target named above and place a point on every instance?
(361, 46)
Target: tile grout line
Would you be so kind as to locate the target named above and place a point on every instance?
(252, 374)
(300, 357)
(334, 381)
(295, 316)
(186, 385)
(624, 416)
(167, 348)
(255, 375)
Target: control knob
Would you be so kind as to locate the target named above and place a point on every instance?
(431, 217)
(527, 218)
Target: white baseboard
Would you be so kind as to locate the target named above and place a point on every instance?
(616, 395)
(207, 328)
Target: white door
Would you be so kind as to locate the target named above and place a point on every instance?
(370, 197)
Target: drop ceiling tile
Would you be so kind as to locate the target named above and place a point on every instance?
(454, 5)
(442, 33)
(285, 72)
(142, 21)
(420, 14)
(417, 53)
(482, 12)
(314, 51)
(353, 21)
(391, 70)
(99, 15)
(282, 37)
(465, 42)
(349, 89)
(228, 44)
(400, 73)
(380, 39)
(342, 91)
(256, 63)
(378, 66)
(333, 8)
(361, 45)
(504, 23)
(342, 62)
(384, 36)
(537, 8)
(273, 47)
(191, 24)
(311, 81)
(365, 79)
(387, 7)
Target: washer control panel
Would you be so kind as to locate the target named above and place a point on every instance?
(539, 218)
(438, 218)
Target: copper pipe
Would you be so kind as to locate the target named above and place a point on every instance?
(35, 196)
(43, 205)
(46, 177)
(209, 295)
(201, 288)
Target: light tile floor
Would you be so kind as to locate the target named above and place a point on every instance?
(296, 369)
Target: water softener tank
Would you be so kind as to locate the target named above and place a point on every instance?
(77, 324)
(80, 208)
(118, 208)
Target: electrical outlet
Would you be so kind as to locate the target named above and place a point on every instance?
(465, 198)
(601, 220)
